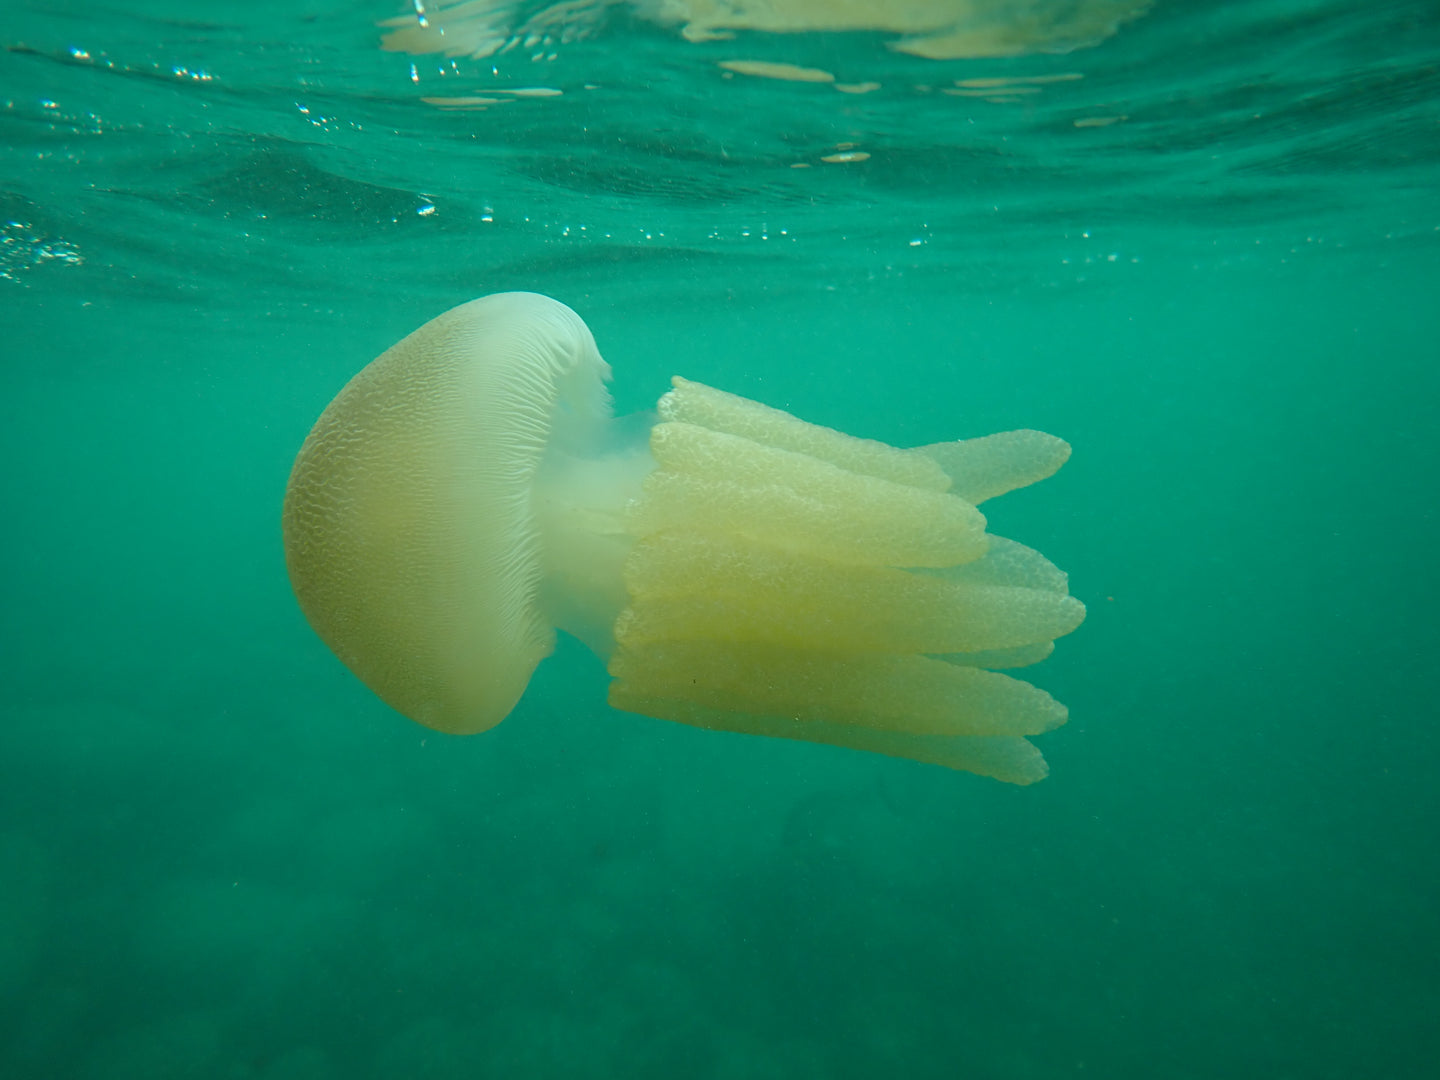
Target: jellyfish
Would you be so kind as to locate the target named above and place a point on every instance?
(469, 493)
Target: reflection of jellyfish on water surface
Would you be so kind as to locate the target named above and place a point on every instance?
(739, 569)
(936, 29)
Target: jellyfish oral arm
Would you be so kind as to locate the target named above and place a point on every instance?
(789, 580)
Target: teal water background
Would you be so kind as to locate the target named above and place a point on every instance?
(220, 856)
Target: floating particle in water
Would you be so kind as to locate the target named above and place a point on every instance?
(21, 250)
(765, 69)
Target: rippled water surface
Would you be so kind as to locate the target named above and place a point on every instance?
(174, 142)
(1198, 240)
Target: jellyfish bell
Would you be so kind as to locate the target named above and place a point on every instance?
(468, 493)
(410, 522)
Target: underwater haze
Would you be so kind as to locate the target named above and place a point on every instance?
(1200, 241)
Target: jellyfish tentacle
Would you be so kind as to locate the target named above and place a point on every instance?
(1012, 759)
(790, 580)
(732, 588)
(909, 694)
(718, 410)
(991, 465)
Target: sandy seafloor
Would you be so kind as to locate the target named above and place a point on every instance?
(221, 856)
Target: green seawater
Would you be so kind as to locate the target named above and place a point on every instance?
(1208, 256)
